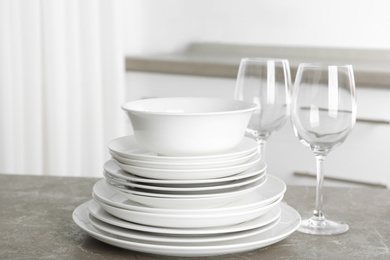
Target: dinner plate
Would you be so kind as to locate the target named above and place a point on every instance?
(189, 202)
(128, 147)
(265, 219)
(184, 165)
(186, 220)
(113, 168)
(182, 188)
(188, 174)
(273, 189)
(168, 238)
(289, 222)
(186, 194)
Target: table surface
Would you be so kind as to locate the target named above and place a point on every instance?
(36, 223)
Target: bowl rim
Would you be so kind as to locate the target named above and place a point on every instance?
(249, 106)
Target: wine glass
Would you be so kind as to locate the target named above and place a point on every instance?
(267, 83)
(323, 112)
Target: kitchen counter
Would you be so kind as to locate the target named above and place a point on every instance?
(36, 223)
(371, 66)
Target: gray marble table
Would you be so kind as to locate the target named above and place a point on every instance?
(36, 223)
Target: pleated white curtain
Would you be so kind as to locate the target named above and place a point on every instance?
(61, 85)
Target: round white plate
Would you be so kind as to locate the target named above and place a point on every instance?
(190, 202)
(168, 194)
(128, 147)
(182, 188)
(191, 174)
(272, 190)
(184, 165)
(189, 220)
(111, 167)
(289, 222)
(168, 238)
(265, 219)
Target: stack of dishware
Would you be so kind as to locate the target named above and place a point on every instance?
(187, 205)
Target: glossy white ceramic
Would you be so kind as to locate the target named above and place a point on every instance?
(113, 168)
(265, 219)
(190, 201)
(189, 126)
(169, 238)
(184, 165)
(272, 190)
(187, 220)
(127, 147)
(189, 174)
(289, 222)
(184, 194)
(182, 188)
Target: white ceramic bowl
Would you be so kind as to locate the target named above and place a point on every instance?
(189, 126)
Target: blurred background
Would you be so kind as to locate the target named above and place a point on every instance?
(66, 67)
(170, 25)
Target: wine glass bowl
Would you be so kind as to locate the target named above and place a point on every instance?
(323, 112)
(267, 83)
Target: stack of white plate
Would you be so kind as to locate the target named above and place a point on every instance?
(187, 206)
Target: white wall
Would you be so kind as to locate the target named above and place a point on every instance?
(169, 25)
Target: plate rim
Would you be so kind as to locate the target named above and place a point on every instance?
(112, 167)
(191, 174)
(269, 216)
(281, 231)
(268, 200)
(252, 145)
(174, 238)
(186, 164)
(231, 191)
(231, 184)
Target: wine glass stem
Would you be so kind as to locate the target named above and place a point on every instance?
(319, 192)
(261, 148)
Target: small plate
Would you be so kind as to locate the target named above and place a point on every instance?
(192, 174)
(182, 188)
(187, 194)
(128, 147)
(289, 222)
(184, 165)
(190, 201)
(188, 220)
(272, 190)
(113, 168)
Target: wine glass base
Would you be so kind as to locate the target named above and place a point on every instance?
(314, 226)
